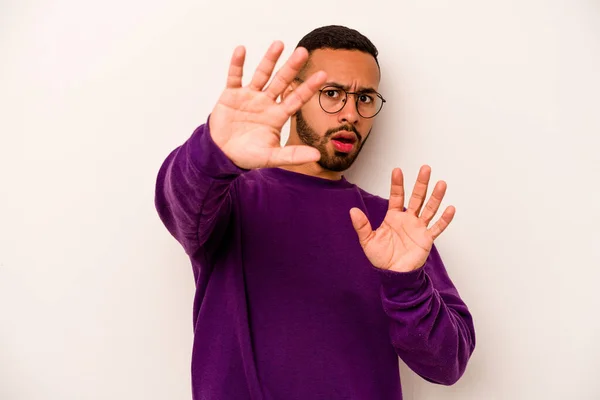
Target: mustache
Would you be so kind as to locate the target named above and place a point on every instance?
(349, 128)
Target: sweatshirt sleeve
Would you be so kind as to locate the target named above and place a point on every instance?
(194, 191)
(431, 328)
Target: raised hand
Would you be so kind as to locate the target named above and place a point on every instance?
(246, 122)
(403, 241)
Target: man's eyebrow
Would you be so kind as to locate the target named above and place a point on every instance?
(361, 89)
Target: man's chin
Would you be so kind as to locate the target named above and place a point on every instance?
(338, 162)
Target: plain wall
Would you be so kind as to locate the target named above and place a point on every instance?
(501, 98)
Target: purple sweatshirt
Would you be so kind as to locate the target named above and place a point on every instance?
(287, 305)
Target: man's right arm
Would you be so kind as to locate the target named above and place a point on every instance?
(194, 191)
(194, 185)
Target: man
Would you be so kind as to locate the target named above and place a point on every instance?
(296, 296)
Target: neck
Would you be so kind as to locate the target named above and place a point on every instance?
(314, 169)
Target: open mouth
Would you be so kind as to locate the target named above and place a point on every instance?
(344, 142)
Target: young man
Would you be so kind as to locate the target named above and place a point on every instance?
(296, 296)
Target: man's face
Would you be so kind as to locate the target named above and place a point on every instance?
(354, 71)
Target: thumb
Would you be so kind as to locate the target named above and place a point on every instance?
(293, 155)
(361, 225)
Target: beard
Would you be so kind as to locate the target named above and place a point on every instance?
(337, 161)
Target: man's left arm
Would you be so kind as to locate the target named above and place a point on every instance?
(431, 327)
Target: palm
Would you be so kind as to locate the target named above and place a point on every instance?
(253, 121)
(403, 241)
(246, 122)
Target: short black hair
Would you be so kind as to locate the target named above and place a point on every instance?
(337, 37)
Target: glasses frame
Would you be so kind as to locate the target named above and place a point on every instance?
(345, 101)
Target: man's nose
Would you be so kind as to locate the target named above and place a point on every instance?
(349, 112)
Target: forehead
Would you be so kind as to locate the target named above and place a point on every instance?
(346, 67)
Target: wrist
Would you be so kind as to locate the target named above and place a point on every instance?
(405, 268)
(403, 284)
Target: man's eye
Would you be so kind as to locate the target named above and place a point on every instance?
(364, 98)
(334, 94)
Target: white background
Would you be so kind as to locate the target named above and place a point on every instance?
(501, 98)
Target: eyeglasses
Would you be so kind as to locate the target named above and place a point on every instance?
(332, 100)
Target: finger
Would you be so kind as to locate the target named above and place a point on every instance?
(361, 225)
(303, 93)
(265, 68)
(293, 155)
(397, 191)
(441, 225)
(287, 73)
(433, 204)
(419, 191)
(236, 68)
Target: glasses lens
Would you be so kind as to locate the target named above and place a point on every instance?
(369, 104)
(332, 99)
